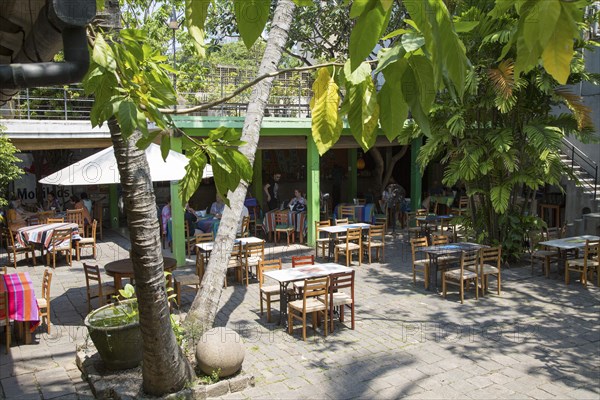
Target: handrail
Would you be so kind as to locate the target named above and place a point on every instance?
(592, 169)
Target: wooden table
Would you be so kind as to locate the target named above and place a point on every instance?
(42, 234)
(286, 276)
(569, 243)
(124, 269)
(22, 303)
(434, 252)
(332, 231)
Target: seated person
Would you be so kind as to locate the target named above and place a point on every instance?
(86, 202)
(78, 205)
(217, 207)
(17, 216)
(191, 218)
(52, 203)
(298, 203)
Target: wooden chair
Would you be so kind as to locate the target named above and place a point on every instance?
(352, 244)
(87, 242)
(346, 212)
(463, 206)
(187, 277)
(245, 227)
(298, 261)
(43, 302)
(375, 240)
(467, 273)
(282, 225)
(54, 220)
(253, 254)
(490, 259)
(271, 292)
(235, 263)
(95, 287)
(341, 237)
(97, 214)
(14, 248)
(76, 217)
(419, 262)
(321, 241)
(256, 220)
(414, 225)
(339, 298)
(199, 239)
(361, 202)
(445, 260)
(315, 300)
(5, 320)
(43, 216)
(382, 219)
(588, 264)
(61, 242)
(544, 255)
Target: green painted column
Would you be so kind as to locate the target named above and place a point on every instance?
(257, 182)
(313, 187)
(177, 221)
(113, 206)
(415, 176)
(353, 174)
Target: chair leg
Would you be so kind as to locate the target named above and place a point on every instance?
(352, 313)
(290, 321)
(443, 285)
(304, 327)
(462, 292)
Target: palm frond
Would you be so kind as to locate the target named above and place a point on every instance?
(503, 78)
(582, 113)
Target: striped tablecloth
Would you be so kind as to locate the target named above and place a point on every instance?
(298, 219)
(42, 234)
(362, 212)
(22, 304)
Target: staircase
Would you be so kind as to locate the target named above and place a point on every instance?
(582, 208)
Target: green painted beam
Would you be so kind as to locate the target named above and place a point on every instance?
(113, 206)
(353, 174)
(313, 196)
(415, 176)
(177, 221)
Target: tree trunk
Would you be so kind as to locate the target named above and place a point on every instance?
(383, 172)
(165, 369)
(206, 304)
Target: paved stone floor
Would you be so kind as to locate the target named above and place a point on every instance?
(540, 339)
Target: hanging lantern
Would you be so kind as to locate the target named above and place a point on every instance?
(360, 163)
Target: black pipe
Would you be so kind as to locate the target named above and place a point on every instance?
(73, 69)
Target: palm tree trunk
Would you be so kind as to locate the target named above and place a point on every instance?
(206, 304)
(165, 369)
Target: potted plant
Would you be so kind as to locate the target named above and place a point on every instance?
(115, 331)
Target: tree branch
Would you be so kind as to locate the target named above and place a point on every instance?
(298, 56)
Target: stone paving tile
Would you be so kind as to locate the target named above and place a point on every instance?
(408, 342)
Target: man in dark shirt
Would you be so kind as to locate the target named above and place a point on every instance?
(271, 189)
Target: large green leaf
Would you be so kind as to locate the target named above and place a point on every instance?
(367, 31)
(102, 54)
(193, 175)
(388, 56)
(393, 110)
(500, 196)
(558, 52)
(363, 113)
(540, 22)
(412, 41)
(357, 76)
(165, 146)
(251, 17)
(127, 117)
(326, 128)
(196, 12)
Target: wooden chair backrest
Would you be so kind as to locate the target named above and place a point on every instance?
(438, 240)
(314, 287)
(46, 281)
(9, 237)
(94, 227)
(245, 227)
(92, 273)
(60, 236)
(341, 221)
(321, 224)
(469, 259)
(54, 220)
(354, 235)
(592, 250)
(463, 202)
(362, 202)
(376, 232)
(302, 260)
(491, 255)
(43, 216)
(75, 216)
(267, 265)
(204, 237)
(341, 280)
(346, 211)
(255, 249)
(416, 244)
(281, 218)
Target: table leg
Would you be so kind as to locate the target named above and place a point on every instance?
(283, 288)
(117, 279)
(331, 247)
(432, 287)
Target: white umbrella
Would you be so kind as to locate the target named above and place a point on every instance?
(101, 169)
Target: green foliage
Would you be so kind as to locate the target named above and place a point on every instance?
(372, 17)
(196, 12)
(212, 378)
(9, 170)
(326, 123)
(251, 17)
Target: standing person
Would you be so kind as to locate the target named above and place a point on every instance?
(52, 203)
(86, 201)
(271, 189)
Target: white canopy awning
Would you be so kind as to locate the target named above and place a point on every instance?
(101, 169)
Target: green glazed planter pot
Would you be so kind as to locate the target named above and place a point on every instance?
(120, 347)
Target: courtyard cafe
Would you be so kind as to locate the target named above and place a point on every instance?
(411, 267)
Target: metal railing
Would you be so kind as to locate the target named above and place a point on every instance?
(71, 103)
(582, 160)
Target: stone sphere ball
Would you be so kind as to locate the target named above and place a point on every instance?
(220, 348)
